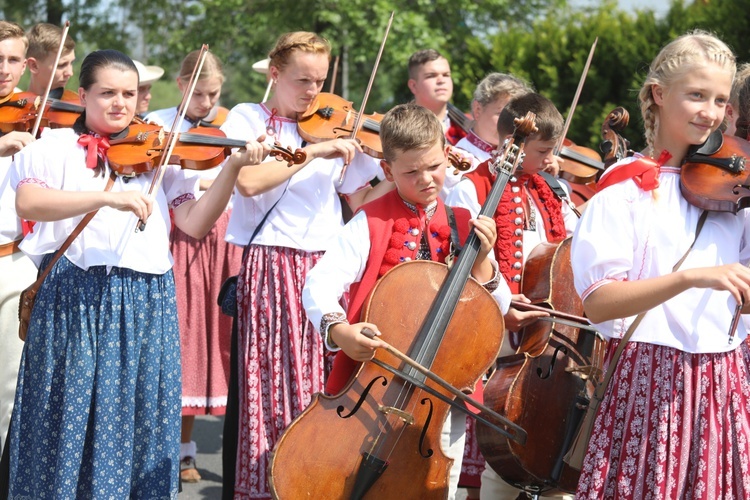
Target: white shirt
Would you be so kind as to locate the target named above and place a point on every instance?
(57, 161)
(629, 234)
(453, 175)
(344, 264)
(10, 224)
(310, 212)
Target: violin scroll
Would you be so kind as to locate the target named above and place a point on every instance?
(614, 146)
(459, 162)
(285, 154)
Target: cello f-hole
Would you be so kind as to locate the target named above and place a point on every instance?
(542, 375)
(428, 453)
(340, 409)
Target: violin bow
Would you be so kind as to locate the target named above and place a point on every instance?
(333, 75)
(39, 115)
(174, 134)
(361, 114)
(572, 111)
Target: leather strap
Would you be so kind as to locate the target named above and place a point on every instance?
(35, 286)
(9, 248)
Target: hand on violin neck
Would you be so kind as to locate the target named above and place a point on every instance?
(253, 153)
(13, 142)
(357, 345)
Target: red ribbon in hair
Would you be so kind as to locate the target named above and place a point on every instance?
(101, 145)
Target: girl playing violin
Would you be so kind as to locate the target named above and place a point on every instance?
(200, 267)
(675, 418)
(295, 211)
(97, 406)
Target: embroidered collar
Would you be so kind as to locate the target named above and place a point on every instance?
(480, 143)
(429, 211)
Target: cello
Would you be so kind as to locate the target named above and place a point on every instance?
(387, 422)
(546, 385)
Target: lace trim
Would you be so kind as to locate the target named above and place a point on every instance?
(181, 199)
(326, 322)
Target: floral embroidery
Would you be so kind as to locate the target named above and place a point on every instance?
(181, 199)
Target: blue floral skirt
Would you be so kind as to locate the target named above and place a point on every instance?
(97, 408)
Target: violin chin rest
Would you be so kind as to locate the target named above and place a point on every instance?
(711, 146)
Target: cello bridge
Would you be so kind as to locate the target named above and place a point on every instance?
(405, 417)
(585, 372)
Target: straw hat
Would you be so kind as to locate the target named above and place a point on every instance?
(261, 66)
(148, 74)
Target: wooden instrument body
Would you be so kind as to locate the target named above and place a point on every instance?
(538, 388)
(326, 449)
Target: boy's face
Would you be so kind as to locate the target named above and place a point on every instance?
(418, 174)
(538, 155)
(12, 64)
(42, 69)
(432, 85)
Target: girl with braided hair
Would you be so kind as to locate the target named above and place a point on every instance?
(675, 418)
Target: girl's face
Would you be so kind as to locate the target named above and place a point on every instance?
(206, 95)
(691, 108)
(485, 118)
(299, 82)
(110, 102)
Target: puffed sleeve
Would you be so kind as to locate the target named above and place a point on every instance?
(603, 242)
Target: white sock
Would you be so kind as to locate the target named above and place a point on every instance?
(187, 450)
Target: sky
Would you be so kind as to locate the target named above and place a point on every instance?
(659, 6)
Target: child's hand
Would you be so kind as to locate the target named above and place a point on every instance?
(353, 342)
(515, 320)
(554, 166)
(486, 230)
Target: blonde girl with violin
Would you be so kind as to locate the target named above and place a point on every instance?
(296, 212)
(675, 419)
(200, 268)
(97, 408)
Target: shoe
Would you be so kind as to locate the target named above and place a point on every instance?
(188, 472)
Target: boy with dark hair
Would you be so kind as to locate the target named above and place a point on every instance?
(528, 214)
(430, 82)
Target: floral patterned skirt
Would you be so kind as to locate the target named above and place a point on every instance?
(282, 360)
(672, 425)
(97, 408)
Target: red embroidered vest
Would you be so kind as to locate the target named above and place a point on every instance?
(510, 220)
(395, 236)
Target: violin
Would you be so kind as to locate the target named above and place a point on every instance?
(138, 149)
(332, 117)
(582, 165)
(713, 177)
(19, 112)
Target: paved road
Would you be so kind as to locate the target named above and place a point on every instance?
(207, 434)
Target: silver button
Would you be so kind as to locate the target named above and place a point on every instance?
(518, 232)
(519, 210)
(411, 245)
(518, 243)
(518, 255)
(407, 259)
(515, 189)
(517, 278)
(517, 199)
(516, 265)
(414, 231)
(518, 221)
(513, 179)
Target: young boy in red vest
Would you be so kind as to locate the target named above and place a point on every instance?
(409, 223)
(528, 214)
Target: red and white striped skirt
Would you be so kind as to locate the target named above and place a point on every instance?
(281, 357)
(672, 425)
